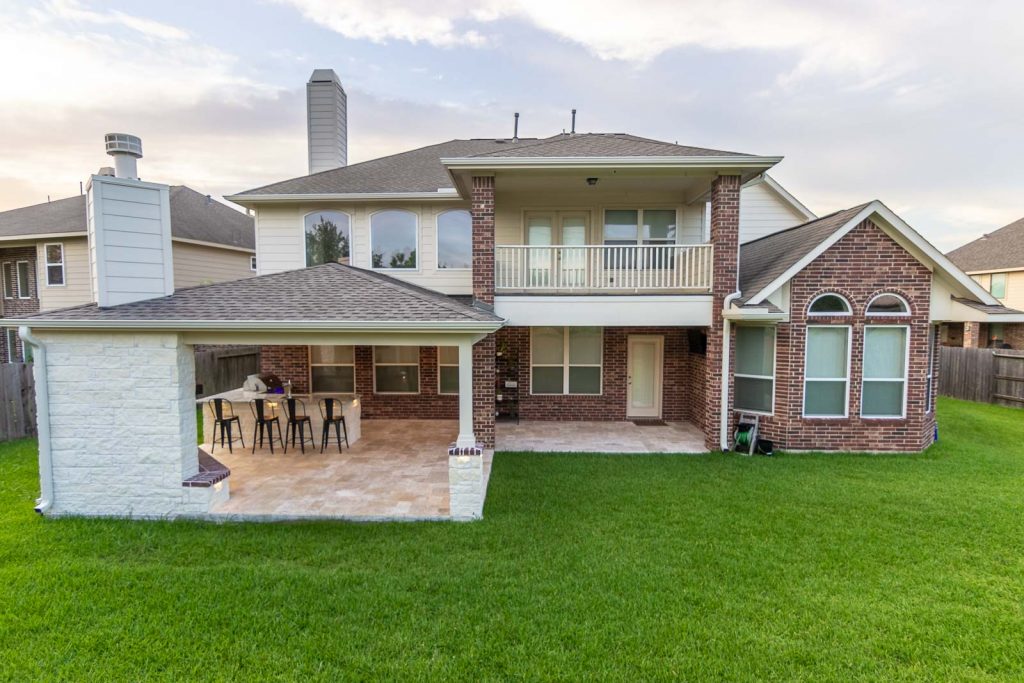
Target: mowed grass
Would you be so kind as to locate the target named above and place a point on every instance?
(797, 567)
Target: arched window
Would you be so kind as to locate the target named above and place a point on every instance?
(888, 304)
(455, 239)
(393, 239)
(829, 304)
(328, 237)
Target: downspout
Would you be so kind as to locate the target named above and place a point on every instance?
(723, 429)
(42, 420)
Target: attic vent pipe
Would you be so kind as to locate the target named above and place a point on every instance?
(515, 129)
(573, 130)
(126, 150)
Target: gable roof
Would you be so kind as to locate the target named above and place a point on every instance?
(768, 263)
(194, 216)
(345, 297)
(1002, 249)
(423, 170)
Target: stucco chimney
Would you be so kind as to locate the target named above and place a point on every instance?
(129, 230)
(326, 121)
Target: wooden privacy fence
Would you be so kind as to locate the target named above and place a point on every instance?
(986, 375)
(18, 397)
(221, 369)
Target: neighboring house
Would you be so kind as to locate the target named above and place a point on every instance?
(996, 262)
(579, 277)
(44, 254)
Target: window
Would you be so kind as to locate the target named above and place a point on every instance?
(332, 369)
(566, 360)
(12, 344)
(888, 304)
(931, 369)
(393, 239)
(54, 264)
(755, 368)
(252, 263)
(448, 369)
(827, 371)
(24, 288)
(997, 285)
(8, 274)
(995, 335)
(829, 304)
(328, 238)
(396, 369)
(885, 371)
(639, 226)
(455, 240)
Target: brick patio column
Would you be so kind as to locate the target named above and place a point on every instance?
(972, 335)
(483, 391)
(483, 239)
(725, 236)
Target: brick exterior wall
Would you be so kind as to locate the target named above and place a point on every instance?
(972, 336)
(725, 235)
(15, 308)
(862, 264)
(288, 363)
(483, 239)
(682, 378)
(1012, 334)
(483, 391)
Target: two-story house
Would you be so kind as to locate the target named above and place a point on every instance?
(579, 278)
(996, 262)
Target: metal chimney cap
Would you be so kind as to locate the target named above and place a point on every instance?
(123, 143)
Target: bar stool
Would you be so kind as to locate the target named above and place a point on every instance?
(265, 419)
(297, 421)
(332, 414)
(223, 418)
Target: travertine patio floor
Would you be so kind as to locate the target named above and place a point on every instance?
(599, 437)
(397, 470)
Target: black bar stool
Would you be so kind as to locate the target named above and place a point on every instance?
(297, 421)
(331, 412)
(223, 419)
(265, 419)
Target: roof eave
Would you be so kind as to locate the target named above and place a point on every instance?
(261, 325)
(708, 162)
(250, 199)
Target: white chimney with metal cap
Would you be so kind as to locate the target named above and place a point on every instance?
(326, 121)
(126, 150)
(129, 229)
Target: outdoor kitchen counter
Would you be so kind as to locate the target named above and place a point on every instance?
(240, 398)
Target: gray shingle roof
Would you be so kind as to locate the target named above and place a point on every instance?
(193, 217)
(330, 292)
(1003, 248)
(765, 259)
(985, 308)
(421, 170)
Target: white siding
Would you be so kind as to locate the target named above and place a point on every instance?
(280, 242)
(195, 264)
(77, 289)
(763, 212)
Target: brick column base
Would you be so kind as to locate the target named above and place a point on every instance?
(972, 335)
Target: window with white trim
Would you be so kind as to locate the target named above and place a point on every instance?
(54, 254)
(332, 369)
(24, 284)
(566, 360)
(997, 285)
(12, 345)
(888, 305)
(393, 240)
(447, 369)
(328, 238)
(931, 368)
(639, 226)
(396, 369)
(252, 263)
(455, 240)
(8, 274)
(884, 386)
(827, 371)
(829, 305)
(755, 369)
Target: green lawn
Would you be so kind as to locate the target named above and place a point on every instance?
(813, 567)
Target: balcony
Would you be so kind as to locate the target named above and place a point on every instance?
(603, 269)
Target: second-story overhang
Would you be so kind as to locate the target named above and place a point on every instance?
(462, 169)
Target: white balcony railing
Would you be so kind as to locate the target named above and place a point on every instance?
(603, 268)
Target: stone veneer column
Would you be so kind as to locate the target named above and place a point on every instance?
(483, 239)
(725, 236)
(972, 335)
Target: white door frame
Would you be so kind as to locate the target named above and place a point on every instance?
(659, 365)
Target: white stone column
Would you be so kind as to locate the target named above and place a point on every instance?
(466, 438)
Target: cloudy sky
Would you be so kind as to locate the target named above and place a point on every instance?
(918, 103)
